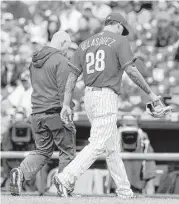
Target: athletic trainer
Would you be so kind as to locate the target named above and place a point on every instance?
(49, 71)
(102, 59)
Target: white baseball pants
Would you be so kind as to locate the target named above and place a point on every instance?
(101, 108)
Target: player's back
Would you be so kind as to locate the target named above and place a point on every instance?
(100, 62)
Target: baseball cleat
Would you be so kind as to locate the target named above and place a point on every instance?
(137, 196)
(62, 191)
(134, 196)
(15, 181)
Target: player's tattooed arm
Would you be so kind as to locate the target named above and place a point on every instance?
(139, 80)
(69, 88)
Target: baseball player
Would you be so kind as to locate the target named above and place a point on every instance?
(49, 71)
(102, 58)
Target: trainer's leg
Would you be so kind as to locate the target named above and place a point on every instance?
(38, 158)
(65, 140)
(116, 166)
(41, 179)
(100, 132)
(44, 149)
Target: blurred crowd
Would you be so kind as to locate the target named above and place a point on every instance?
(154, 33)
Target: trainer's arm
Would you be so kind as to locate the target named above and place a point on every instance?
(69, 88)
(138, 79)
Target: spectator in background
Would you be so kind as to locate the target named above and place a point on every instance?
(23, 24)
(144, 16)
(177, 55)
(19, 9)
(20, 97)
(137, 6)
(36, 43)
(94, 26)
(25, 52)
(122, 7)
(53, 26)
(14, 31)
(38, 26)
(5, 42)
(88, 24)
(87, 10)
(101, 10)
(161, 6)
(166, 33)
(69, 18)
(9, 73)
(169, 182)
(24, 57)
(83, 32)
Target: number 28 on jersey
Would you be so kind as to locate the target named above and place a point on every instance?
(95, 62)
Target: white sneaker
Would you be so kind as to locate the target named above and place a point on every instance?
(15, 181)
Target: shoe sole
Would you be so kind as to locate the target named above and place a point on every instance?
(131, 197)
(14, 187)
(62, 192)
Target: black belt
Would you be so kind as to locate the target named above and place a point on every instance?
(53, 110)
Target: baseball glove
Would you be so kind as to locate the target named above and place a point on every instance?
(157, 109)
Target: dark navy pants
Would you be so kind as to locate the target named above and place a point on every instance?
(48, 131)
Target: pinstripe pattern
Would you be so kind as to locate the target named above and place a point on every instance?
(101, 109)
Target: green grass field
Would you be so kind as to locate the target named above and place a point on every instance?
(34, 199)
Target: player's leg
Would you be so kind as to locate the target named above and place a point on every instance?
(100, 133)
(116, 166)
(99, 107)
(35, 160)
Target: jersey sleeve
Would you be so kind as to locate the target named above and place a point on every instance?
(125, 54)
(74, 63)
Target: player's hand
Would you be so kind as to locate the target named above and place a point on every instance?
(153, 97)
(66, 114)
(157, 108)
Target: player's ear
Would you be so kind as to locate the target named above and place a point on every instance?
(118, 25)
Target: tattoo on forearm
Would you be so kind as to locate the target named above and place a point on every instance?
(137, 78)
(71, 82)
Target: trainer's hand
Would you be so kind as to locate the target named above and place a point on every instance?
(66, 114)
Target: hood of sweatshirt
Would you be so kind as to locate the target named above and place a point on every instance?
(39, 58)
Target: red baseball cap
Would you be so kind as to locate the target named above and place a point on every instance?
(119, 18)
